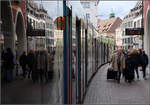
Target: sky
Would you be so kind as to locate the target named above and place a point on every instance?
(120, 8)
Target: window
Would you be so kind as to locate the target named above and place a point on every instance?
(128, 24)
(51, 26)
(131, 24)
(88, 15)
(141, 22)
(125, 25)
(125, 40)
(128, 40)
(131, 39)
(134, 24)
(138, 23)
(85, 4)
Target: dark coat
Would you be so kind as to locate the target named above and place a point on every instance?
(31, 60)
(136, 59)
(144, 60)
(23, 60)
(129, 71)
(9, 60)
(130, 63)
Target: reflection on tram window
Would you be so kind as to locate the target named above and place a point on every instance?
(50, 51)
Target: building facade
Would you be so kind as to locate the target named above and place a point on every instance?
(91, 10)
(132, 20)
(13, 25)
(38, 19)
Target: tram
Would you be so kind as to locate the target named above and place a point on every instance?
(79, 54)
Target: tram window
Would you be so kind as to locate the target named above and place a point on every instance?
(85, 4)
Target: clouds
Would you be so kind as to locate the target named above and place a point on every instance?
(120, 8)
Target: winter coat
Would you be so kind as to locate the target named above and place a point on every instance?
(129, 63)
(31, 60)
(115, 62)
(144, 60)
(122, 67)
(136, 59)
(41, 61)
(23, 60)
(9, 60)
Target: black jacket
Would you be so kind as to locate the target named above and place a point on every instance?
(9, 60)
(136, 59)
(31, 60)
(23, 60)
(144, 60)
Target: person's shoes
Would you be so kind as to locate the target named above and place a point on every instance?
(145, 78)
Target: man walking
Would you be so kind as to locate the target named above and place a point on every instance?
(23, 63)
(144, 61)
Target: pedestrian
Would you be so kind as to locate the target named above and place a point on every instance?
(31, 60)
(9, 64)
(41, 64)
(48, 66)
(3, 71)
(17, 63)
(129, 69)
(136, 60)
(121, 63)
(23, 63)
(114, 64)
(144, 62)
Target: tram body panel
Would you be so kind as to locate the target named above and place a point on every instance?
(95, 56)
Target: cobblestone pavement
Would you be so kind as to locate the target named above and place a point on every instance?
(103, 91)
(26, 92)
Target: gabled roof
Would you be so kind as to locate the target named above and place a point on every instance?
(108, 25)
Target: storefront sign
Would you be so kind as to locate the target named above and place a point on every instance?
(36, 32)
(134, 31)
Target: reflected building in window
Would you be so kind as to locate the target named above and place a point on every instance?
(91, 10)
(38, 19)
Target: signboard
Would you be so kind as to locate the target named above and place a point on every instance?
(36, 32)
(134, 31)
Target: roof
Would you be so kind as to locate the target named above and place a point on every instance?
(109, 25)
